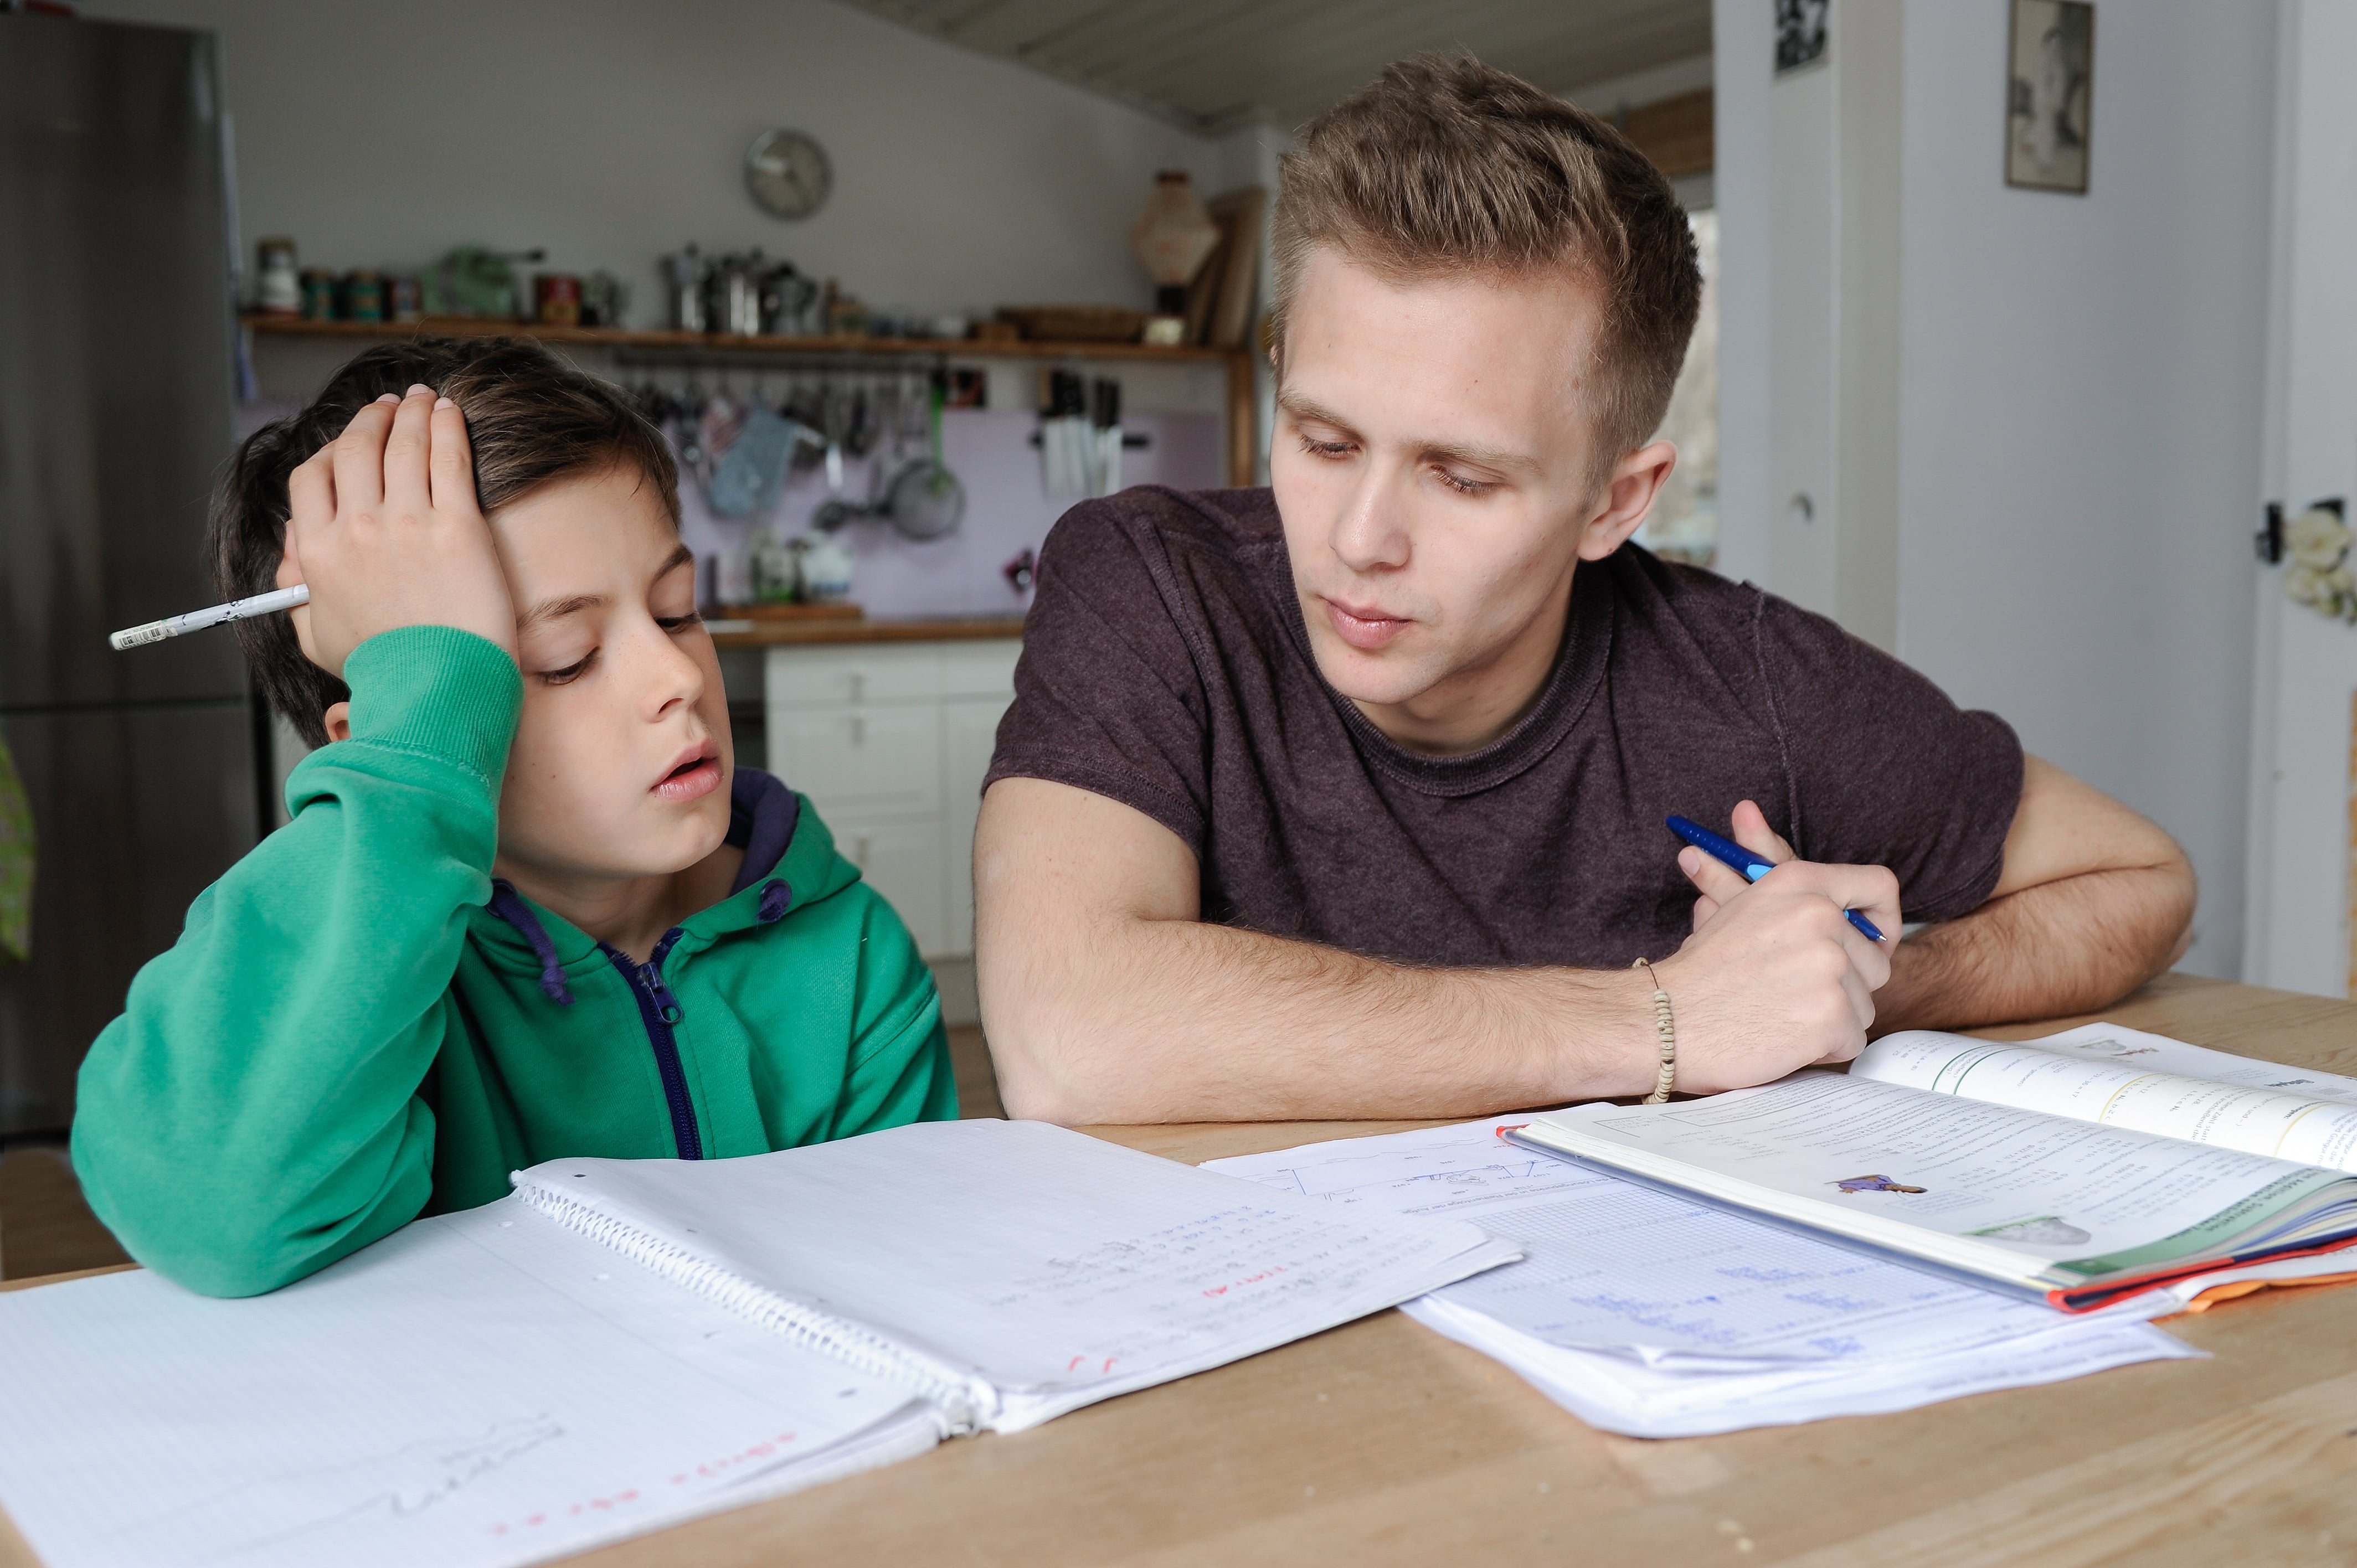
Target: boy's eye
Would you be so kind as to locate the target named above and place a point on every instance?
(674, 623)
(572, 672)
(1325, 448)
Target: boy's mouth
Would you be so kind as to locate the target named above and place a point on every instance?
(695, 774)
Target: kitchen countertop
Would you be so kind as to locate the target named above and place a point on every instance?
(800, 633)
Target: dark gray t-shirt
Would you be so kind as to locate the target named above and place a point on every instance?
(1166, 666)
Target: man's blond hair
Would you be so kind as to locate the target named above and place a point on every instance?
(1443, 167)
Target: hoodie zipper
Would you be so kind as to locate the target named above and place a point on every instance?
(659, 1010)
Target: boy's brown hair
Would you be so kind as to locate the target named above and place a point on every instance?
(1445, 166)
(531, 418)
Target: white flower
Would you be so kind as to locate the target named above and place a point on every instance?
(2318, 540)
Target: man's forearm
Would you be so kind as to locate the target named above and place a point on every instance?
(2062, 947)
(1178, 1021)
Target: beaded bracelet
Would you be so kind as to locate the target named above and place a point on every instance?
(1665, 1032)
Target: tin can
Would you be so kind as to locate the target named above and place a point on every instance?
(402, 300)
(556, 299)
(363, 296)
(318, 295)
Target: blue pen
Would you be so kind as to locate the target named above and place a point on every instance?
(1752, 867)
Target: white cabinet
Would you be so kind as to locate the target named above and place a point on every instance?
(891, 742)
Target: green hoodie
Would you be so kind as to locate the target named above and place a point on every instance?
(358, 1025)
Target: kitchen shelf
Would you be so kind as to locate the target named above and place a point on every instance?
(1242, 434)
(625, 338)
(823, 633)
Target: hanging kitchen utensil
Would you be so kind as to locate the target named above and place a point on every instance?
(926, 502)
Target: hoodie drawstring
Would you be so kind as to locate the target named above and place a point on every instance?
(509, 906)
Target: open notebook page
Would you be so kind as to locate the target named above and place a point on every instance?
(1054, 1268)
(477, 1391)
(2123, 1078)
(1625, 1270)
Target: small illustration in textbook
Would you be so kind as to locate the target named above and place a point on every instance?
(2045, 1231)
(1875, 1184)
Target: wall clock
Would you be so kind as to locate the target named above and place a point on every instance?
(788, 174)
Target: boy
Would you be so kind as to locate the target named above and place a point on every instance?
(527, 905)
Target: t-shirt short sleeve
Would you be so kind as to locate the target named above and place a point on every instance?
(1886, 770)
(1107, 695)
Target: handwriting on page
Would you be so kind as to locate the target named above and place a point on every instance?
(1140, 1299)
(1613, 1266)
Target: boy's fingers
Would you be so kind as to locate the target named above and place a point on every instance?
(453, 466)
(405, 486)
(1753, 832)
(358, 459)
(311, 493)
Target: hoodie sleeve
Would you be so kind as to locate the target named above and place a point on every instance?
(254, 1115)
(899, 1069)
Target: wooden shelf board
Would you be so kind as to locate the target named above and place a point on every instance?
(725, 342)
(789, 633)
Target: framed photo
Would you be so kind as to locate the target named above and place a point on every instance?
(1800, 33)
(2049, 94)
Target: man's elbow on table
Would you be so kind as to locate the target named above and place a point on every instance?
(1064, 879)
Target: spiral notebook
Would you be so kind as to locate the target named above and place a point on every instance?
(620, 1345)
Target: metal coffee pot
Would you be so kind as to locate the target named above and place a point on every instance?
(683, 282)
(732, 294)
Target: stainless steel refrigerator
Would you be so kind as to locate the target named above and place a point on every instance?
(117, 412)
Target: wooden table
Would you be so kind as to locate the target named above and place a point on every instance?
(1380, 1442)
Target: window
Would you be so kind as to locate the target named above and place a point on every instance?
(1685, 524)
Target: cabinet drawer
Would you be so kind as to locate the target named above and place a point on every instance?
(867, 761)
(904, 862)
(856, 676)
(980, 669)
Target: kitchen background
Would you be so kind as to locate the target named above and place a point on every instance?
(902, 279)
(2019, 434)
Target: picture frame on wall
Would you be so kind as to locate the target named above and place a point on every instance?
(1800, 33)
(2049, 94)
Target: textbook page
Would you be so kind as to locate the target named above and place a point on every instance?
(2123, 1078)
(1051, 1268)
(1616, 1268)
(477, 1391)
(2008, 1193)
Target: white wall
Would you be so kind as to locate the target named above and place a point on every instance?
(2081, 425)
(1743, 34)
(610, 133)
(2079, 388)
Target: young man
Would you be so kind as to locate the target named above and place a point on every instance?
(1346, 797)
(528, 906)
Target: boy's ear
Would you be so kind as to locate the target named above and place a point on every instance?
(338, 720)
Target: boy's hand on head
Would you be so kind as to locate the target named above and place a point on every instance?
(383, 527)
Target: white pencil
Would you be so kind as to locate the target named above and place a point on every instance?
(218, 615)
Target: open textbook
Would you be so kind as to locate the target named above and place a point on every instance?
(2080, 1169)
(1651, 1315)
(620, 1345)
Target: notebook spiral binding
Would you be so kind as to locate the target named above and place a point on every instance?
(965, 1402)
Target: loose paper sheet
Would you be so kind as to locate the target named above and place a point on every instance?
(1655, 1316)
(1616, 1267)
